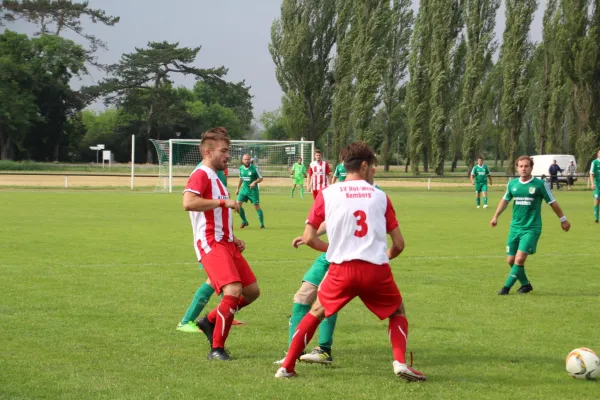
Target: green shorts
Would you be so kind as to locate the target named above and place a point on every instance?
(298, 181)
(525, 241)
(597, 192)
(480, 187)
(317, 271)
(251, 195)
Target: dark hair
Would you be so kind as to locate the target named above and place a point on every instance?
(598, 149)
(217, 134)
(523, 158)
(318, 151)
(479, 158)
(355, 153)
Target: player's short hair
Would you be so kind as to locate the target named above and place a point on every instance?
(598, 149)
(218, 134)
(355, 153)
(479, 157)
(299, 158)
(523, 158)
(318, 151)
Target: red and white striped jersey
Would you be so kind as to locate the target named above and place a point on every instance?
(318, 172)
(359, 217)
(214, 225)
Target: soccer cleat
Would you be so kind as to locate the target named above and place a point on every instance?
(407, 373)
(317, 356)
(596, 221)
(478, 207)
(190, 327)
(218, 354)
(283, 373)
(279, 362)
(525, 288)
(504, 291)
(262, 227)
(207, 327)
(243, 225)
(236, 322)
(485, 206)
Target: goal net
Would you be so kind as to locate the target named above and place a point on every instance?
(177, 158)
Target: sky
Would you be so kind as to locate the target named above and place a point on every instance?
(232, 33)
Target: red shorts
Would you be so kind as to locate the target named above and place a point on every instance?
(315, 194)
(373, 284)
(224, 264)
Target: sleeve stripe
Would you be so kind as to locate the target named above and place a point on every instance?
(507, 193)
(549, 192)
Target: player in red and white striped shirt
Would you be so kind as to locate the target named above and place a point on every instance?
(318, 174)
(210, 208)
(358, 219)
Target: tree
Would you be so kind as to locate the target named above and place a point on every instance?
(55, 16)
(417, 95)
(455, 91)
(273, 123)
(235, 96)
(446, 23)
(149, 70)
(480, 21)
(301, 44)
(397, 55)
(516, 52)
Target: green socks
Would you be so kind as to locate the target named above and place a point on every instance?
(298, 312)
(302, 191)
(292, 191)
(485, 200)
(522, 275)
(243, 216)
(596, 212)
(478, 200)
(261, 217)
(200, 299)
(512, 276)
(326, 328)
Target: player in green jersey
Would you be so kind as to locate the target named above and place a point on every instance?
(526, 226)
(247, 189)
(480, 174)
(339, 173)
(595, 182)
(298, 173)
(204, 292)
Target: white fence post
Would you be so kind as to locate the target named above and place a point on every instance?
(132, 159)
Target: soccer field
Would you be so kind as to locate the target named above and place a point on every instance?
(94, 283)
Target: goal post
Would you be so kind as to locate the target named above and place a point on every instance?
(177, 158)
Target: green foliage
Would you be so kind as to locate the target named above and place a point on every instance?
(274, 125)
(301, 43)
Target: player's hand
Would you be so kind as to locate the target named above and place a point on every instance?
(240, 244)
(565, 225)
(593, 187)
(233, 205)
(237, 192)
(494, 222)
(297, 242)
(252, 185)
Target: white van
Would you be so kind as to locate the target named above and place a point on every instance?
(542, 163)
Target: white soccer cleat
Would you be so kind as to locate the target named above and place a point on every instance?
(405, 372)
(478, 207)
(279, 362)
(485, 206)
(283, 373)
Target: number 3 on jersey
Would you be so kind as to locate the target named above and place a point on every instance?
(361, 222)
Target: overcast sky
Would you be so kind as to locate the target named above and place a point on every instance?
(232, 33)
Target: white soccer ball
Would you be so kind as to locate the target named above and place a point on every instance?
(583, 363)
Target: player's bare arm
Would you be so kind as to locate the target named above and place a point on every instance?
(501, 207)
(592, 179)
(472, 179)
(297, 242)
(397, 243)
(311, 239)
(194, 202)
(239, 186)
(259, 180)
(490, 179)
(564, 224)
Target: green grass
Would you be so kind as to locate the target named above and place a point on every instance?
(94, 283)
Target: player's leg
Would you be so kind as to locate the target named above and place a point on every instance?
(242, 198)
(596, 204)
(477, 196)
(199, 301)
(259, 211)
(527, 246)
(334, 293)
(292, 192)
(512, 246)
(484, 194)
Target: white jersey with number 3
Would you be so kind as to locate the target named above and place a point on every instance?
(358, 218)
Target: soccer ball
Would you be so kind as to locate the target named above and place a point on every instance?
(583, 363)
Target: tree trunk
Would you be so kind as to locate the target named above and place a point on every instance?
(385, 149)
(454, 162)
(425, 159)
(407, 164)
(4, 146)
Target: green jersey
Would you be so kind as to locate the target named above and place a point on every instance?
(220, 174)
(298, 171)
(480, 173)
(595, 170)
(340, 172)
(249, 175)
(527, 206)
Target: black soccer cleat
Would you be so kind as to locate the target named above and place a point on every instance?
(525, 289)
(596, 221)
(262, 227)
(218, 354)
(504, 291)
(207, 327)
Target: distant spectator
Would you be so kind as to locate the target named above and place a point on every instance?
(553, 171)
(571, 171)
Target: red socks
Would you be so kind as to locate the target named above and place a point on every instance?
(305, 331)
(222, 317)
(398, 331)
